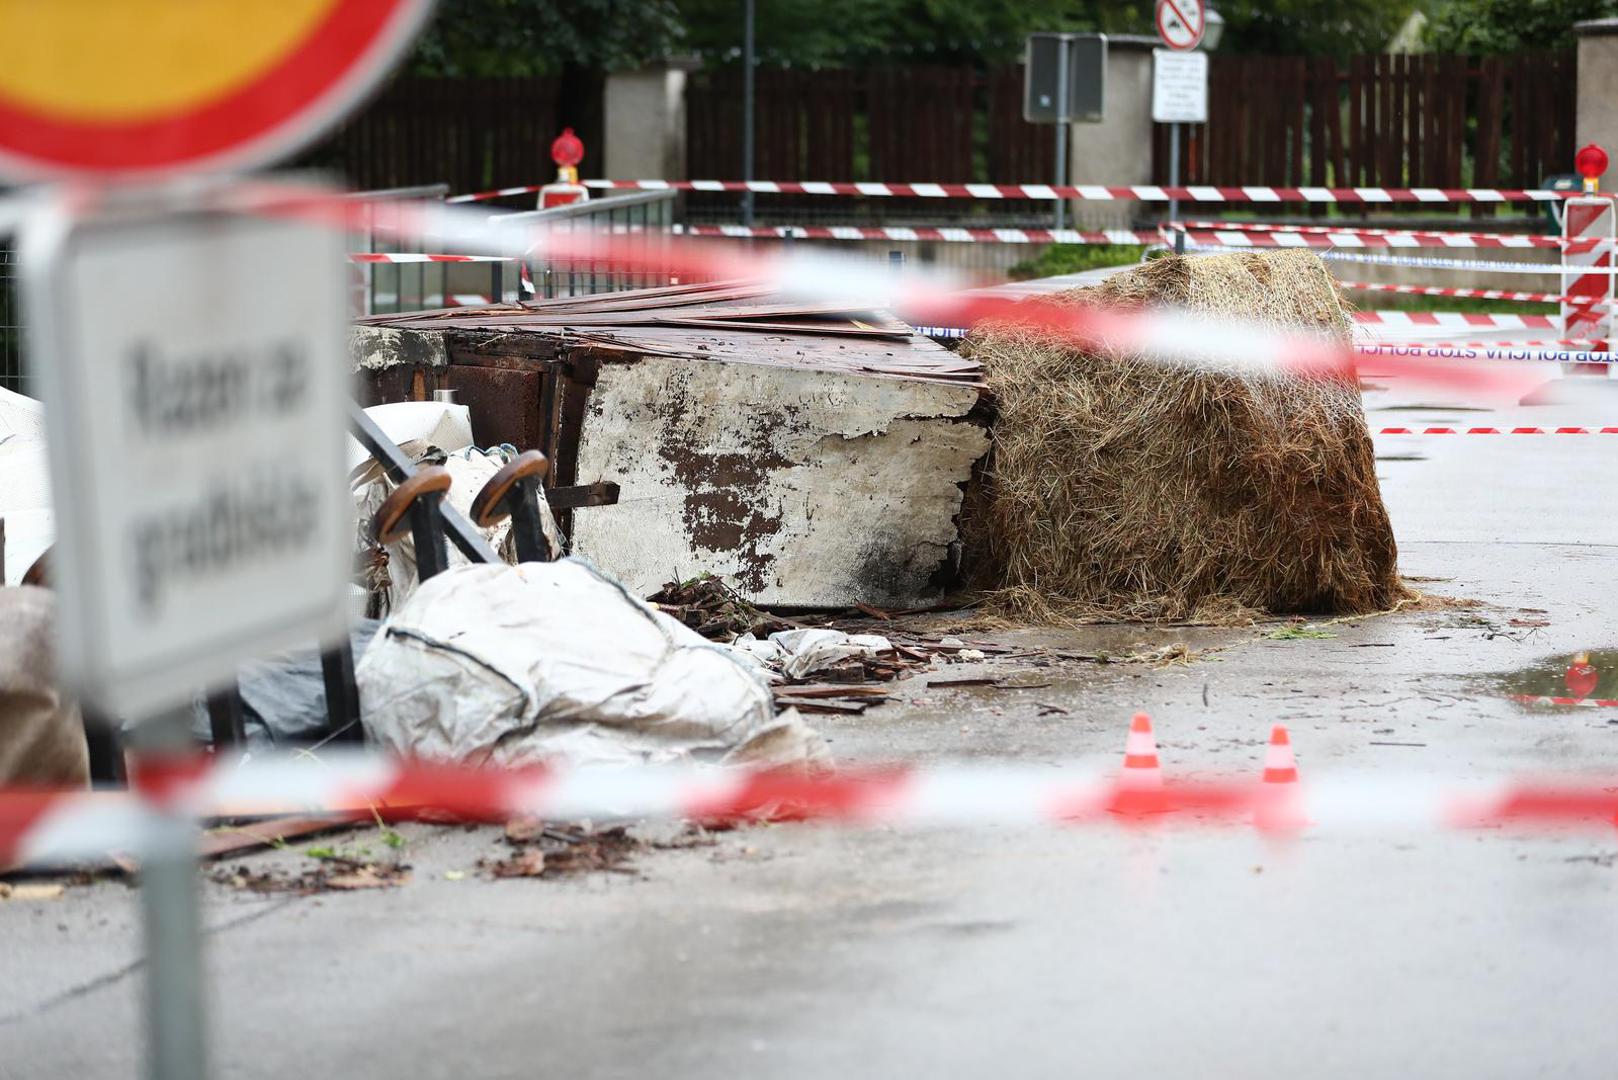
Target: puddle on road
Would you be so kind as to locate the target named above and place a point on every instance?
(1561, 676)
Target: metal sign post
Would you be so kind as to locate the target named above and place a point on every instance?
(1179, 96)
(1064, 80)
(1063, 75)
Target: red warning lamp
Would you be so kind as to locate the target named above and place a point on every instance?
(567, 150)
(1591, 161)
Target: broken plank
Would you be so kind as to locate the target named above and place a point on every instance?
(822, 705)
(817, 690)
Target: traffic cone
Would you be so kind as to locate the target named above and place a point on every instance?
(1278, 800)
(1140, 784)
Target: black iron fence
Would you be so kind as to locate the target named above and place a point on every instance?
(14, 374)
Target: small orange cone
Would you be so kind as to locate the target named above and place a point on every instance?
(1140, 784)
(1141, 769)
(1278, 801)
(1280, 767)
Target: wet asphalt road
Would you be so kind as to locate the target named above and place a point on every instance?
(801, 951)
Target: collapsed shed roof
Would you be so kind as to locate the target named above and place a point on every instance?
(735, 321)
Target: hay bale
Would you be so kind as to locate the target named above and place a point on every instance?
(1120, 488)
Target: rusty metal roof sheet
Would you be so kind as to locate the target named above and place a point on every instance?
(734, 321)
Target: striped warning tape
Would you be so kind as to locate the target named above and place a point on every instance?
(1495, 431)
(1579, 702)
(1591, 344)
(928, 295)
(1423, 262)
(1397, 237)
(1204, 238)
(1477, 294)
(418, 257)
(1503, 353)
(943, 233)
(39, 827)
(1461, 319)
(1439, 351)
(1096, 192)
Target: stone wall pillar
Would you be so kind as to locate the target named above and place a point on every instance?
(1596, 118)
(645, 122)
(1118, 150)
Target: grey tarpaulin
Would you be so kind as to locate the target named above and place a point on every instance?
(284, 697)
(510, 664)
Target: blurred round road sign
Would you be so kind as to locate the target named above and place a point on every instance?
(1180, 23)
(146, 88)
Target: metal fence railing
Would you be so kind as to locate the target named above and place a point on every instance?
(380, 288)
(14, 373)
(646, 217)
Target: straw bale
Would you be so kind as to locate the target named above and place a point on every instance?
(1119, 488)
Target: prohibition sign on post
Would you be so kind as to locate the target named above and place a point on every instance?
(143, 89)
(1180, 23)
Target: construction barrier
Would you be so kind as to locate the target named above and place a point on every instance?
(42, 827)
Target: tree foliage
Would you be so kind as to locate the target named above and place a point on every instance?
(542, 37)
(530, 37)
(1301, 27)
(1505, 26)
(831, 33)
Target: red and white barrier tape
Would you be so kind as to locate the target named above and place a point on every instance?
(927, 295)
(1478, 294)
(1580, 702)
(1396, 237)
(1495, 431)
(1094, 192)
(1466, 319)
(497, 193)
(1592, 345)
(1486, 266)
(418, 257)
(1202, 238)
(44, 827)
(1485, 352)
(943, 233)
(1425, 351)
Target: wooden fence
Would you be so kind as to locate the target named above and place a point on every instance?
(910, 123)
(1392, 121)
(1396, 121)
(472, 133)
(1382, 121)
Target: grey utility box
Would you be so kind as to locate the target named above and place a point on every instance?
(1079, 61)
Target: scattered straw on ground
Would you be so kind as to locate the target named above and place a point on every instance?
(1123, 489)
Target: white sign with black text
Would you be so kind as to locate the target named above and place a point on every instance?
(196, 394)
(1179, 87)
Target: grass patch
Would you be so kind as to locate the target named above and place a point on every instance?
(1291, 632)
(1057, 259)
